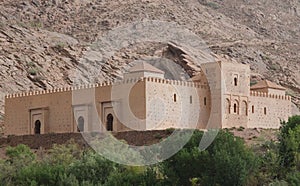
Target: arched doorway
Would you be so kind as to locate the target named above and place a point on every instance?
(80, 123)
(109, 122)
(37, 127)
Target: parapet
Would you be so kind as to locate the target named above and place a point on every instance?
(273, 96)
(103, 84)
(56, 90)
(175, 82)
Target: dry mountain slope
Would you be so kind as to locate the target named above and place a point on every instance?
(43, 41)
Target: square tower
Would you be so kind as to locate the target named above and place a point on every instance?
(237, 78)
(235, 93)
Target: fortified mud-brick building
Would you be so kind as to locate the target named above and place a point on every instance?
(220, 96)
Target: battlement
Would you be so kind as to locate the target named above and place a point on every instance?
(56, 90)
(274, 96)
(103, 84)
(175, 82)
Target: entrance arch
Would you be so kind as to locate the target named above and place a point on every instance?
(80, 123)
(37, 127)
(109, 122)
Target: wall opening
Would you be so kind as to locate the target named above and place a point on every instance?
(227, 106)
(37, 127)
(204, 100)
(235, 81)
(191, 99)
(80, 123)
(265, 111)
(244, 108)
(174, 97)
(109, 122)
(252, 108)
(235, 108)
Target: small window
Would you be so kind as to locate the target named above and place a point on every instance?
(252, 108)
(175, 98)
(204, 100)
(191, 99)
(235, 108)
(235, 81)
(265, 111)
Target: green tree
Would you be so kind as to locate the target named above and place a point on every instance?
(128, 177)
(20, 152)
(17, 158)
(92, 168)
(64, 154)
(289, 146)
(226, 162)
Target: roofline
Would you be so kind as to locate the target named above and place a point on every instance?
(162, 72)
(267, 87)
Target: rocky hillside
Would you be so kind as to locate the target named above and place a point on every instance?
(42, 42)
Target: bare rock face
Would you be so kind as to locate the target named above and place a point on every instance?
(43, 42)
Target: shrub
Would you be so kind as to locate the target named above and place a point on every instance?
(41, 174)
(32, 71)
(92, 168)
(226, 162)
(128, 177)
(64, 154)
(20, 153)
(289, 145)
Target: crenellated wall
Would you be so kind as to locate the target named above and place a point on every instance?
(56, 108)
(275, 96)
(267, 110)
(149, 103)
(59, 109)
(176, 104)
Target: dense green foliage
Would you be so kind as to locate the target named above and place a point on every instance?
(289, 150)
(227, 161)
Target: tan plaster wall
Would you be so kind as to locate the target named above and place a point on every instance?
(86, 102)
(240, 117)
(277, 109)
(188, 111)
(242, 73)
(214, 77)
(17, 120)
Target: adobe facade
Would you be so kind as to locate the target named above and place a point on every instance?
(219, 97)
